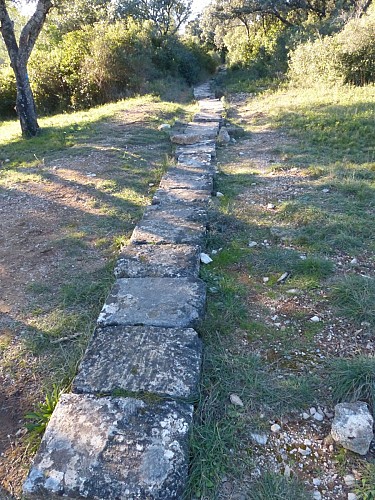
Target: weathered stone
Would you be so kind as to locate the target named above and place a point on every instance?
(206, 130)
(207, 117)
(111, 449)
(164, 302)
(203, 91)
(187, 138)
(352, 426)
(158, 261)
(211, 105)
(186, 178)
(201, 159)
(181, 196)
(171, 224)
(224, 137)
(235, 131)
(208, 147)
(164, 361)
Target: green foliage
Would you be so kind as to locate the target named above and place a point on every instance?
(38, 419)
(7, 93)
(271, 485)
(345, 57)
(366, 488)
(353, 379)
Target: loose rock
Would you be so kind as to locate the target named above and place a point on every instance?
(352, 427)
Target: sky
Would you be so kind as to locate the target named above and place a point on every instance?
(199, 5)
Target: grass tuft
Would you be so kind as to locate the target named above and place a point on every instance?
(353, 379)
(274, 486)
(354, 297)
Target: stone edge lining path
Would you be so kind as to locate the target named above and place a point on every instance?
(124, 430)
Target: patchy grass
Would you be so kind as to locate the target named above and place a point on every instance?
(70, 198)
(266, 338)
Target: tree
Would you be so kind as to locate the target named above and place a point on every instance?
(167, 15)
(19, 54)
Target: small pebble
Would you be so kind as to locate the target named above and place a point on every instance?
(312, 410)
(316, 481)
(252, 244)
(259, 438)
(354, 261)
(235, 400)
(352, 496)
(271, 206)
(304, 453)
(205, 259)
(219, 195)
(315, 319)
(349, 480)
(317, 495)
(275, 428)
(287, 471)
(318, 416)
(266, 279)
(305, 416)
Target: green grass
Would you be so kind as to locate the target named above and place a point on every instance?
(365, 490)
(352, 379)
(354, 297)
(273, 486)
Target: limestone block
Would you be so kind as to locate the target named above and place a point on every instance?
(181, 196)
(207, 117)
(164, 302)
(164, 361)
(158, 261)
(107, 448)
(187, 138)
(171, 224)
(352, 426)
(182, 178)
(208, 147)
(198, 160)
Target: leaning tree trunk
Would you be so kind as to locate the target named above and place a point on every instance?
(19, 54)
(25, 104)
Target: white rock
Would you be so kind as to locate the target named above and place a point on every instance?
(352, 496)
(304, 452)
(354, 261)
(316, 481)
(164, 126)
(252, 244)
(312, 410)
(349, 480)
(266, 279)
(315, 319)
(326, 190)
(205, 259)
(223, 137)
(219, 195)
(271, 206)
(259, 438)
(287, 471)
(318, 416)
(214, 252)
(317, 495)
(235, 400)
(352, 427)
(275, 428)
(305, 416)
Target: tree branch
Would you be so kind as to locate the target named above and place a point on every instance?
(33, 27)
(7, 31)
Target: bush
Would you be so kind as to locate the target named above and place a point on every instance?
(346, 57)
(8, 93)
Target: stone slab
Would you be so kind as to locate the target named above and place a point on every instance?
(201, 162)
(158, 261)
(180, 178)
(171, 224)
(208, 147)
(204, 130)
(207, 117)
(211, 105)
(164, 361)
(181, 196)
(107, 448)
(163, 302)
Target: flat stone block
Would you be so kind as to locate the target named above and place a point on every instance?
(207, 117)
(208, 147)
(109, 448)
(164, 361)
(211, 105)
(171, 224)
(164, 302)
(186, 178)
(206, 130)
(158, 261)
(194, 159)
(181, 196)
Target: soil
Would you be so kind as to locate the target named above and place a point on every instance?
(37, 218)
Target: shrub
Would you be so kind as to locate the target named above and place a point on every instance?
(7, 93)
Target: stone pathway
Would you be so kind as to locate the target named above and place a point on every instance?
(124, 430)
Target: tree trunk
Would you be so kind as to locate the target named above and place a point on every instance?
(25, 104)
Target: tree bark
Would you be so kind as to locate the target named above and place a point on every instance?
(19, 54)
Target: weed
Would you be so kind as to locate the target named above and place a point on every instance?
(353, 379)
(365, 490)
(354, 297)
(271, 485)
(38, 419)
